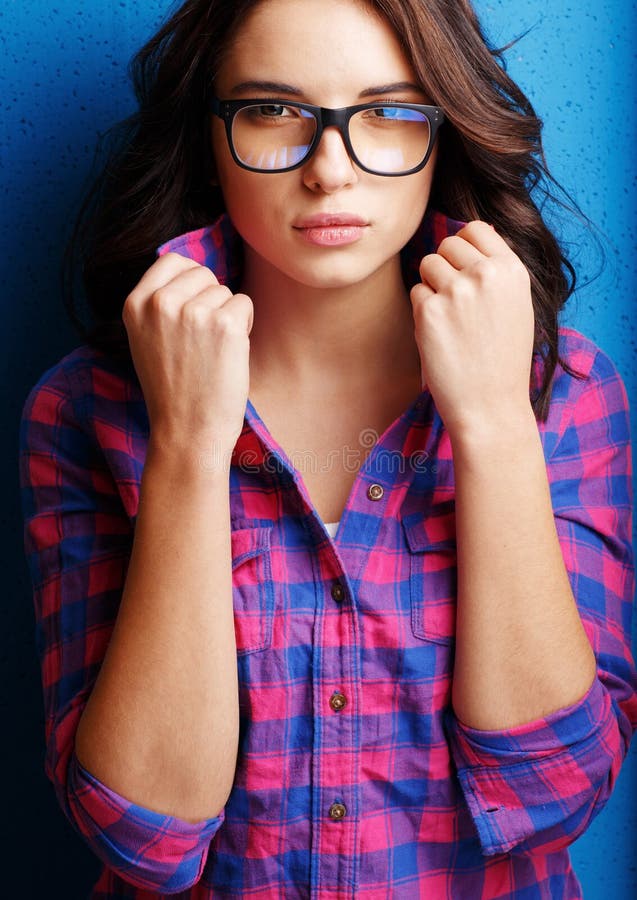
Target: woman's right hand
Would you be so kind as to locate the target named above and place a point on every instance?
(189, 340)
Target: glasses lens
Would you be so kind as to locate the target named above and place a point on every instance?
(271, 136)
(388, 139)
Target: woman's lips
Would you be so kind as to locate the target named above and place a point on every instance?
(332, 235)
(331, 229)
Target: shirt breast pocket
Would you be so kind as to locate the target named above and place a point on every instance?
(432, 582)
(252, 588)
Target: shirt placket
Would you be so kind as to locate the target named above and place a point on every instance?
(336, 753)
(336, 676)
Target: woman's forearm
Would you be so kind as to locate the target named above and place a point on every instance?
(521, 649)
(161, 725)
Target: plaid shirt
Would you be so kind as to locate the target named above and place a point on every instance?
(354, 778)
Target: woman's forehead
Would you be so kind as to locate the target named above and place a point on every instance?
(303, 42)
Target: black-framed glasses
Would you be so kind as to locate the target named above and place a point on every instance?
(271, 135)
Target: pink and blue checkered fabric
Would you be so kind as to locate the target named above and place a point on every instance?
(430, 808)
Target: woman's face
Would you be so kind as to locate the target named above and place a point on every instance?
(332, 52)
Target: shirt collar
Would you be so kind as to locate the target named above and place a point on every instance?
(219, 247)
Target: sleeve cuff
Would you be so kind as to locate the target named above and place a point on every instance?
(543, 776)
(148, 849)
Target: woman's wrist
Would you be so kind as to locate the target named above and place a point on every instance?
(482, 434)
(190, 455)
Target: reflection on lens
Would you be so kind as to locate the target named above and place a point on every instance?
(389, 139)
(387, 159)
(272, 136)
(273, 159)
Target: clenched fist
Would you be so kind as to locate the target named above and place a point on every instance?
(189, 340)
(474, 321)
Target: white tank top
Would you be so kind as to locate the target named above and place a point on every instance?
(331, 527)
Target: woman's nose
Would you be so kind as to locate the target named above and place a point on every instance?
(330, 168)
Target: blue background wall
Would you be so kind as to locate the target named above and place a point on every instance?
(62, 81)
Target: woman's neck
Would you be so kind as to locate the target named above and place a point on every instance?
(352, 335)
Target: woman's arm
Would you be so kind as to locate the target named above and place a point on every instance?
(539, 783)
(79, 470)
(135, 627)
(161, 725)
(521, 649)
(545, 562)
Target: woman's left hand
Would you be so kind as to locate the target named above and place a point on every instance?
(474, 329)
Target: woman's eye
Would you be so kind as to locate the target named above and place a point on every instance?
(396, 114)
(274, 111)
(382, 113)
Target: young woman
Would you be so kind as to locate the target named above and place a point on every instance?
(328, 519)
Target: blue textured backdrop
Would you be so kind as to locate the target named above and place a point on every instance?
(62, 81)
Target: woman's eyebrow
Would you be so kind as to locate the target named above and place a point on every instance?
(278, 87)
(272, 87)
(394, 88)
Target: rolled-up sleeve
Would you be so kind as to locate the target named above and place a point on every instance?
(538, 785)
(78, 540)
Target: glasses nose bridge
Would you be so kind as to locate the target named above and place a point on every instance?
(335, 118)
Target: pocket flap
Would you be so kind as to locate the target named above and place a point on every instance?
(249, 542)
(431, 532)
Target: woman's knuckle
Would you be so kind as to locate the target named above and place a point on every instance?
(194, 313)
(459, 289)
(225, 321)
(166, 301)
(433, 311)
(205, 308)
(484, 270)
(222, 292)
(128, 309)
(426, 262)
(178, 261)
(418, 294)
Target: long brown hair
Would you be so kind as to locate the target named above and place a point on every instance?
(156, 183)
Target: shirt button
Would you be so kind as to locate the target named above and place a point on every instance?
(337, 592)
(338, 701)
(337, 811)
(375, 491)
